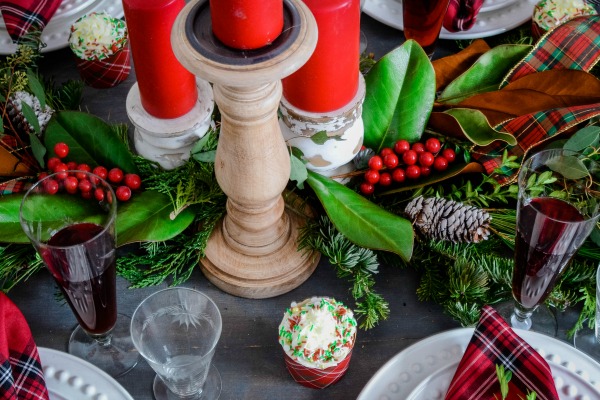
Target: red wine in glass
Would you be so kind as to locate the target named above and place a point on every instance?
(549, 232)
(82, 260)
(422, 20)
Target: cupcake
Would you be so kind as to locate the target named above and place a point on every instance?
(548, 14)
(99, 43)
(317, 337)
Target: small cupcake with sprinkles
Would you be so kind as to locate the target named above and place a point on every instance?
(99, 43)
(317, 336)
(548, 14)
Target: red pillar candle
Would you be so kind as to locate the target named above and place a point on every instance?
(167, 89)
(329, 80)
(246, 24)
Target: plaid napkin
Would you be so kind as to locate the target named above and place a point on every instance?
(461, 14)
(495, 343)
(21, 374)
(22, 16)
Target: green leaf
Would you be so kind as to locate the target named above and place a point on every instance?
(477, 129)
(30, 116)
(399, 97)
(321, 137)
(147, 217)
(36, 87)
(570, 167)
(583, 139)
(38, 149)
(298, 171)
(90, 139)
(486, 74)
(207, 156)
(361, 221)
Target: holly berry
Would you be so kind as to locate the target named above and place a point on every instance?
(440, 163)
(410, 157)
(367, 188)
(390, 160)
(70, 184)
(426, 159)
(398, 175)
(401, 146)
(385, 151)
(418, 147)
(85, 185)
(372, 176)
(123, 193)
(99, 194)
(413, 172)
(101, 172)
(51, 186)
(376, 163)
(433, 145)
(385, 179)
(85, 168)
(71, 165)
(53, 162)
(425, 171)
(449, 155)
(60, 171)
(133, 181)
(61, 149)
(115, 175)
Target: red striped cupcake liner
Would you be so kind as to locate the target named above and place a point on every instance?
(314, 377)
(107, 73)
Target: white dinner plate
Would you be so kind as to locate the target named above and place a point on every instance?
(424, 370)
(491, 5)
(71, 378)
(56, 33)
(489, 23)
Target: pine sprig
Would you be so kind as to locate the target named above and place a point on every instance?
(351, 262)
(17, 263)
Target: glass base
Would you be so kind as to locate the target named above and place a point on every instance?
(210, 391)
(116, 358)
(585, 340)
(542, 320)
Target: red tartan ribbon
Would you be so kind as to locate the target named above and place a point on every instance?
(495, 343)
(102, 74)
(573, 45)
(461, 14)
(21, 374)
(22, 16)
(317, 378)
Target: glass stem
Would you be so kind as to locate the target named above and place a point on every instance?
(104, 341)
(521, 317)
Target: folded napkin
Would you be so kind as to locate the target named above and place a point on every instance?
(461, 14)
(495, 343)
(23, 16)
(21, 374)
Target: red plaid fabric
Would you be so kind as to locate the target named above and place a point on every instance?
(495, 343)
(462, 14)
(14, 186)
(21, 16)
(102, 74)
(317, 378)
(21, 374)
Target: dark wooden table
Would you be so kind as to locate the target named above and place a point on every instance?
(249, 356)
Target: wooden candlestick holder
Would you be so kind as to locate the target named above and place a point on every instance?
(169, 141)
(253, 252)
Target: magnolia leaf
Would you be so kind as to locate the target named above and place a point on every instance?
(206, 156)
(91, 140)
(485, 75)
(36, 88)
(451, 67)
(298, 171)
(147, 217)
(361, 221)
(30, 116)
(321, 137)
(399, 97)
(570, 167)
(584, 139)
(469, 124)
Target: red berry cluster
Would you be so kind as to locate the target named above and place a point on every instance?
(79, 182)
(405, 161)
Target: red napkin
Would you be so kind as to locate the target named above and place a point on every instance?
(461, 14)
(21, 374)
(21, 16)
(495, 343)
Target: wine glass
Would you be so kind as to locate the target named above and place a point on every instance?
(177, 330)
(422, 21)
(363, 38)
(74, 235)
(556, 211)
(588, 340)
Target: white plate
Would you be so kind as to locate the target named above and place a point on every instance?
(56, 33)
(490, 23)
(71, 378)
(424, 370)
(491, 5)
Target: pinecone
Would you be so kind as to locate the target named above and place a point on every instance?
(438, 218)
(15, 113)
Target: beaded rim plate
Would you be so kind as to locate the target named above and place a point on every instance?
(489, 23)
(424, 370)
(71, 378)
(56, 33)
